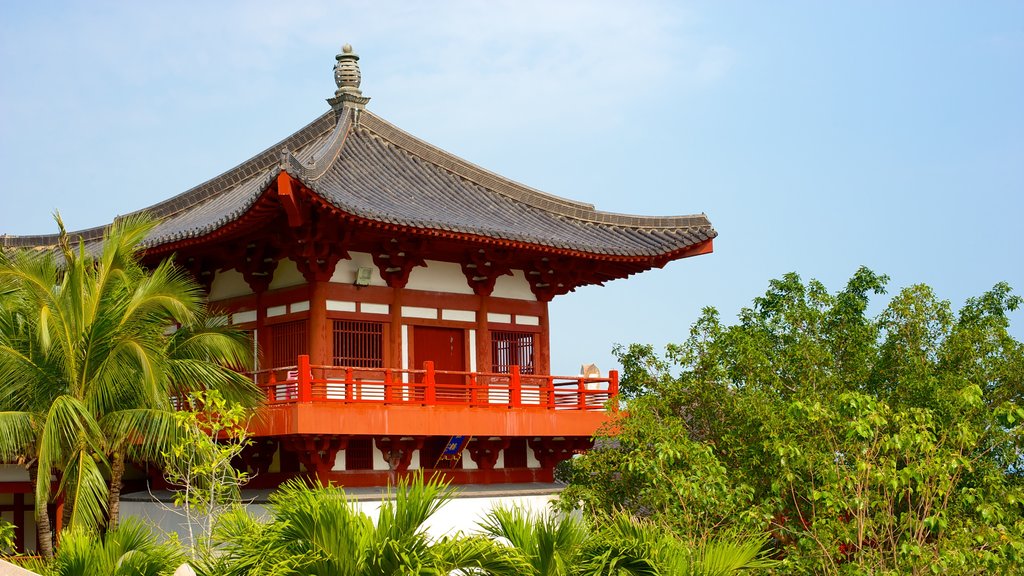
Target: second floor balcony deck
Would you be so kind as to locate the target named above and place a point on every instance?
(310, 399)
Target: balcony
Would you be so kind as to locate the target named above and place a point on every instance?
(336, 400)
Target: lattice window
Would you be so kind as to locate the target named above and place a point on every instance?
(512, 348)
(359, 454)
(515, 454)
(358, 344)
(288, 341)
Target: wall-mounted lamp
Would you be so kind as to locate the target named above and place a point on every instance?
(363, 276)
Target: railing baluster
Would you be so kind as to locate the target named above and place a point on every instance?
(305, 386)
(349, 380)
(428, 381)
(478, 389)
(613, 389)
(515, 398)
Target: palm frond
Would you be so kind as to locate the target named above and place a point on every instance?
(86, 490)
(18, 431)
(143, 433)
(131, 549)
(67, 429)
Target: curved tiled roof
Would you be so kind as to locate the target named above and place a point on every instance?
(369, 168)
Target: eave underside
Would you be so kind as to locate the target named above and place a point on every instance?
(289, 220)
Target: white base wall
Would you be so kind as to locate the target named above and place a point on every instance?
(459, 515)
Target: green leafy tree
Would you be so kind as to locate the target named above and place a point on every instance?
(881, 444)
(87, 366)
(211, 434)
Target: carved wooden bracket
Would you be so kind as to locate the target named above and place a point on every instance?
(316, 453)
(202, 269)
(257, 262)
(483, 267)
(398, 451)
(396, 258)
(258, 455)
(550, 277)
(318, 246)
(485, 451)
(551, 451)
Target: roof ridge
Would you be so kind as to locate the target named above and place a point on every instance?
(247, 169)
(325, 157)
(467, 170)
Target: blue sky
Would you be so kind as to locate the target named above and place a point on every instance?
(818, 137)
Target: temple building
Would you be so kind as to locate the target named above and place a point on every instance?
(399, 298)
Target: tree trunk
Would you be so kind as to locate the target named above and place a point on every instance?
(114, 495)
(44, 539)
(66, 507)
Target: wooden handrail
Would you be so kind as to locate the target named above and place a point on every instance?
(306, 383)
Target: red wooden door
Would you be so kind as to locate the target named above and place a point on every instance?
(446, 348)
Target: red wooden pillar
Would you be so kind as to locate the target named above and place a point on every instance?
(514, 387)
(544, 346)
(396, 327)
(305, 386)
(429, 383)
(484, 363)
(613, 389)
(319, 336)
(262, 335)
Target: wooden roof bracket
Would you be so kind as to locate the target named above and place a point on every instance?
(290, 203)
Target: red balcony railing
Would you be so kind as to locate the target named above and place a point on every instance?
(429, 387)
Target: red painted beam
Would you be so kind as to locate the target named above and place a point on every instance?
(403, 420)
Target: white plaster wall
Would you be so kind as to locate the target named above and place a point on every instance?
(531, 460)
(458, 515)
(439, 277)
(514, 286)
(345, 271)
(419, 312)
(287, 274)
(379, 463)
(228, 284)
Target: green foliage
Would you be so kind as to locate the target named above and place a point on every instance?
(211, 435)
(131, 549)
(886, 444)
(88, 363)
(564, 544)
(319, 531)
(552, 544)
(6, 537)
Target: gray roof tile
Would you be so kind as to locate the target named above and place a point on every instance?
(379, 172)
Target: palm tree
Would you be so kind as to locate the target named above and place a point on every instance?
(87, 365)
(319, 531)
(558, 544)
(198, 356)
(552, 544)
(131, 549)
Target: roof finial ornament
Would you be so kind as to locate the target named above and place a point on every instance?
(348, 78)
